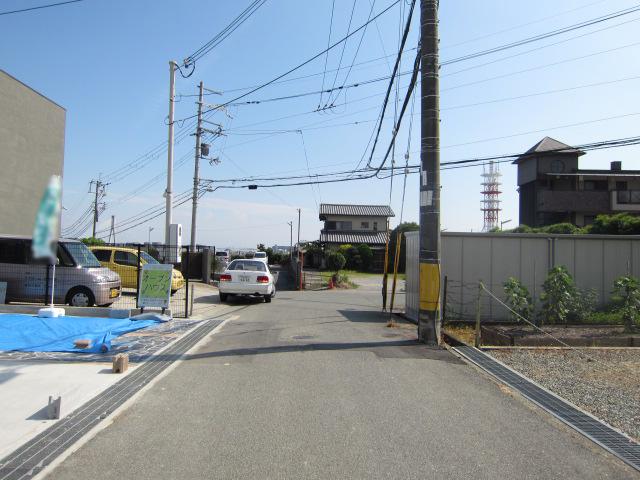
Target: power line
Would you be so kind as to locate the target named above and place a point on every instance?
(40, 7)
(306, 62)
(222, 35)
(543, 36)
(326, 58)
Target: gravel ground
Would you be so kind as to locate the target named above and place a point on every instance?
(608, 387)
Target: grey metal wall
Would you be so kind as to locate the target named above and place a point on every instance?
(594, 261)
(31, 150)
(412, 285)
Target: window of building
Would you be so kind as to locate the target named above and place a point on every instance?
(364, 225)
(344, 226)
(621, 185)
(595, 185)
(375, 226)
(330, 225)
(12, 251)
(557, 166)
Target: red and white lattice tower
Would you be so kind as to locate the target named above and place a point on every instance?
(491, 195)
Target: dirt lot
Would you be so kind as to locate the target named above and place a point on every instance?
(606, 386)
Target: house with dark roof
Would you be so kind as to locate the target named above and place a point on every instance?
(553, 189)
(356, 224)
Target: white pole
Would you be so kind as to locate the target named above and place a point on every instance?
(53, 282)
(169, 191)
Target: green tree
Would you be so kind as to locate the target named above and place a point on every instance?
(92, 241)
(518, 298)
(403, 227)
(628, 290)
(336, 261)
(558, 292)
(618, 224)
(366, 256)
(261, 248)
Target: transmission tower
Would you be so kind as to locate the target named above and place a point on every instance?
(491, 195)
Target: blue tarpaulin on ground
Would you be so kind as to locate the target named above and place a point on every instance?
(29, 333)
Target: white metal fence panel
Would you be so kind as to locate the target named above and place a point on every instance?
(594, 261)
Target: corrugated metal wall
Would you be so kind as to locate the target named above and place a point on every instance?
(594, 261)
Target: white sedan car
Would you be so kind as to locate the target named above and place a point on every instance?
(247, 277)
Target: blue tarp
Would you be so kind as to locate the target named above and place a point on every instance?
(29, 333)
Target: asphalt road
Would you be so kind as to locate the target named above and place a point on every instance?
(314, 385)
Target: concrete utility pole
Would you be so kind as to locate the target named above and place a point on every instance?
(96, 203)
(298, 228)
(196, 177)
(429, 313)
(291, 240)
(169, 192)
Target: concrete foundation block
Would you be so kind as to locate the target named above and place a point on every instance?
(120, 363)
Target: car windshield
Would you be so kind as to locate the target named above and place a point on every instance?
(254, 266)
(222, 254)
(81, 255)
(148, 258)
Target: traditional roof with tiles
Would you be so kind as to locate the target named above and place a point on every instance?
(350, 210)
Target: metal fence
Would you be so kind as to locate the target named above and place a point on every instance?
(594, 261)
(100, 275)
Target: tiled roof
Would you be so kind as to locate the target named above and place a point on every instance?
(356, 210)
(548, 144)
(354, 238)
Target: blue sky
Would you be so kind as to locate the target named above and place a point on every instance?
(106, 62)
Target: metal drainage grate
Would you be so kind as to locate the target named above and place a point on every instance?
(32, 457)
(596, 430)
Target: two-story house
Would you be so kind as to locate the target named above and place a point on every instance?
(553, 189)
(356, 224)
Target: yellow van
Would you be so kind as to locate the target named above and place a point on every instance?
(124, 261)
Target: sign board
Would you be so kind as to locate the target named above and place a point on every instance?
(3, 291)
(155, 285)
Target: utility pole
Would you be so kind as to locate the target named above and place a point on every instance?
(169, 192)
(291, 240)
(196, 177)
(298, 228)
(429, 312)
(99, 191)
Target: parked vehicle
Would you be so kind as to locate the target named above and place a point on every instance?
(247, 277)
(124, 261)
(80, 280)
(262, 256)
(223, 258)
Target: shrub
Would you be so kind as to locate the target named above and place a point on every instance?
(558, 291)
(341, 280)
(618, 224)
(336, 261)
(559, 228)
(583, 304)
(628, 289)
(522, 229)
(518, 298)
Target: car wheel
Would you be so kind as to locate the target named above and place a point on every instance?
(223, 297)
(267, 298)
(80, 297)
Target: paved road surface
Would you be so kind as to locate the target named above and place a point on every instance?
(314, 385)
